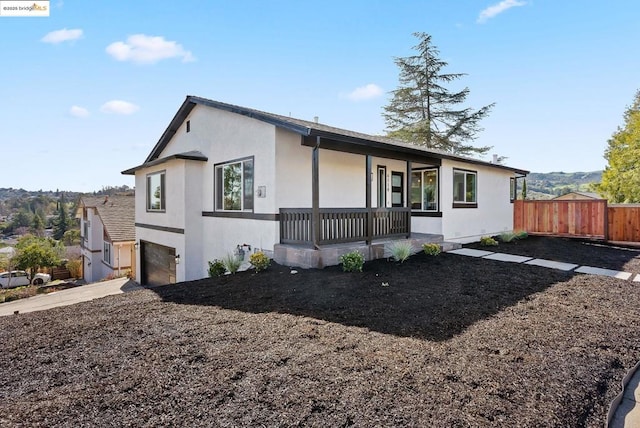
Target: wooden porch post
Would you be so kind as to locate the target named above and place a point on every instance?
(408, 198)
(368, 200)
(315, 194)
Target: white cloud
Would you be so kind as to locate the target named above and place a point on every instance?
(365, 92)
(143, 49)
(119, 107)
(497, 9)
(63, 35)
(79, 111)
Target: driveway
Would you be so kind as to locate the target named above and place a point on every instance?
(70, 296)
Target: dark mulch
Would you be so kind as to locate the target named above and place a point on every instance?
(450, 341)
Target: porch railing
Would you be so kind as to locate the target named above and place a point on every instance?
(338, 225)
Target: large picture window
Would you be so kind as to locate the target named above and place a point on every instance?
(156, 192)
(424, 190)
(234, 185)
(464, 189)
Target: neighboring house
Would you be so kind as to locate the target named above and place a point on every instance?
(224, 177)
(578, 195)
(107, 230)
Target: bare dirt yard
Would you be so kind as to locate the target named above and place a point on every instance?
(436, 341)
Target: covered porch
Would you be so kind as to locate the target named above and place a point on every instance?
(316, 236)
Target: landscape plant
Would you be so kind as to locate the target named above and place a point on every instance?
(352, 261)
(259, 260)
(508, 237)
(400, 250)
(487, 241)
(33, 253)
(231, 262)
(431, 249)
(216, 268)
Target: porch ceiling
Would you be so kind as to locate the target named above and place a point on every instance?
(366, 147)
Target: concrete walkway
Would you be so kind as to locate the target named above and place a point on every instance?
(70, 296)
(625, 409)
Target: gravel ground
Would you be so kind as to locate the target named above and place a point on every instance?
(450, 341)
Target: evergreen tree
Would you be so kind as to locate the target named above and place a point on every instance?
(424, 112)
(621, 177)
(63, 222)
(37, 226)
(524, 189)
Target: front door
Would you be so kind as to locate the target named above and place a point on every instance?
(397, 189)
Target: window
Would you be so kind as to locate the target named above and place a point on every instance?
(155, 192)
(106, 255)
(464, 189)
(85, 228)
(234, 185)
(424, 190)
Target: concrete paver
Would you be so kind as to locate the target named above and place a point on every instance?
(502, 257)
(637, 278)
(605, 272)
(471, 252)
(552, 264)
(70, 296)
(627, 414)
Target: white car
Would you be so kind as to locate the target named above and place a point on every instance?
(20, 278)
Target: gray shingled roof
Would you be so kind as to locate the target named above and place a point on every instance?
(302, 127)
(117, 214)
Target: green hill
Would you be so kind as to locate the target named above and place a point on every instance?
(551, 184)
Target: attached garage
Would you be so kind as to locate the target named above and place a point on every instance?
(158, 264)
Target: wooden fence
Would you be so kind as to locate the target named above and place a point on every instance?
(579, 218)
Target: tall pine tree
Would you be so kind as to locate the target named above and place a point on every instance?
(621, 177)
(424, 112)
(63, 222)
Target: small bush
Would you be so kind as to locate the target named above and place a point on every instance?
(487, 241)
(400, 250)
(259, 261)
(352, 262)
(522, 234)
(432, 249)
(216, 268)
(232, 263)
(508, 237)
(75, 267)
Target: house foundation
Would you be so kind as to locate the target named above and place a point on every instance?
(307, 257)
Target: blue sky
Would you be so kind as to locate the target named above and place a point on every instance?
(86, 92)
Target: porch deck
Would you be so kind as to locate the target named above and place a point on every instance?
(306, 257)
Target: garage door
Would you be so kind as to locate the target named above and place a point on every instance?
(158, 264)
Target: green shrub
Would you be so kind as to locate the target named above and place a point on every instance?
(232, 262)
(400, 250)
(432, 249)
(508, 237)
(487, 241)
(259, 261)
(522, 234)
(352, 261)
(216, 268)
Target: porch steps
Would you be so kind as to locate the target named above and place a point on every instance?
(329, 255)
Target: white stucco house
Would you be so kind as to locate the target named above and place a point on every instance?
(224, 177)
(107, 236)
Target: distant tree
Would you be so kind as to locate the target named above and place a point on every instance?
(33, 253)
(71, 237)
(524, 189)
(62, 223)
(424, 112)
(621, 177)
(37, 226)
(22, 219)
